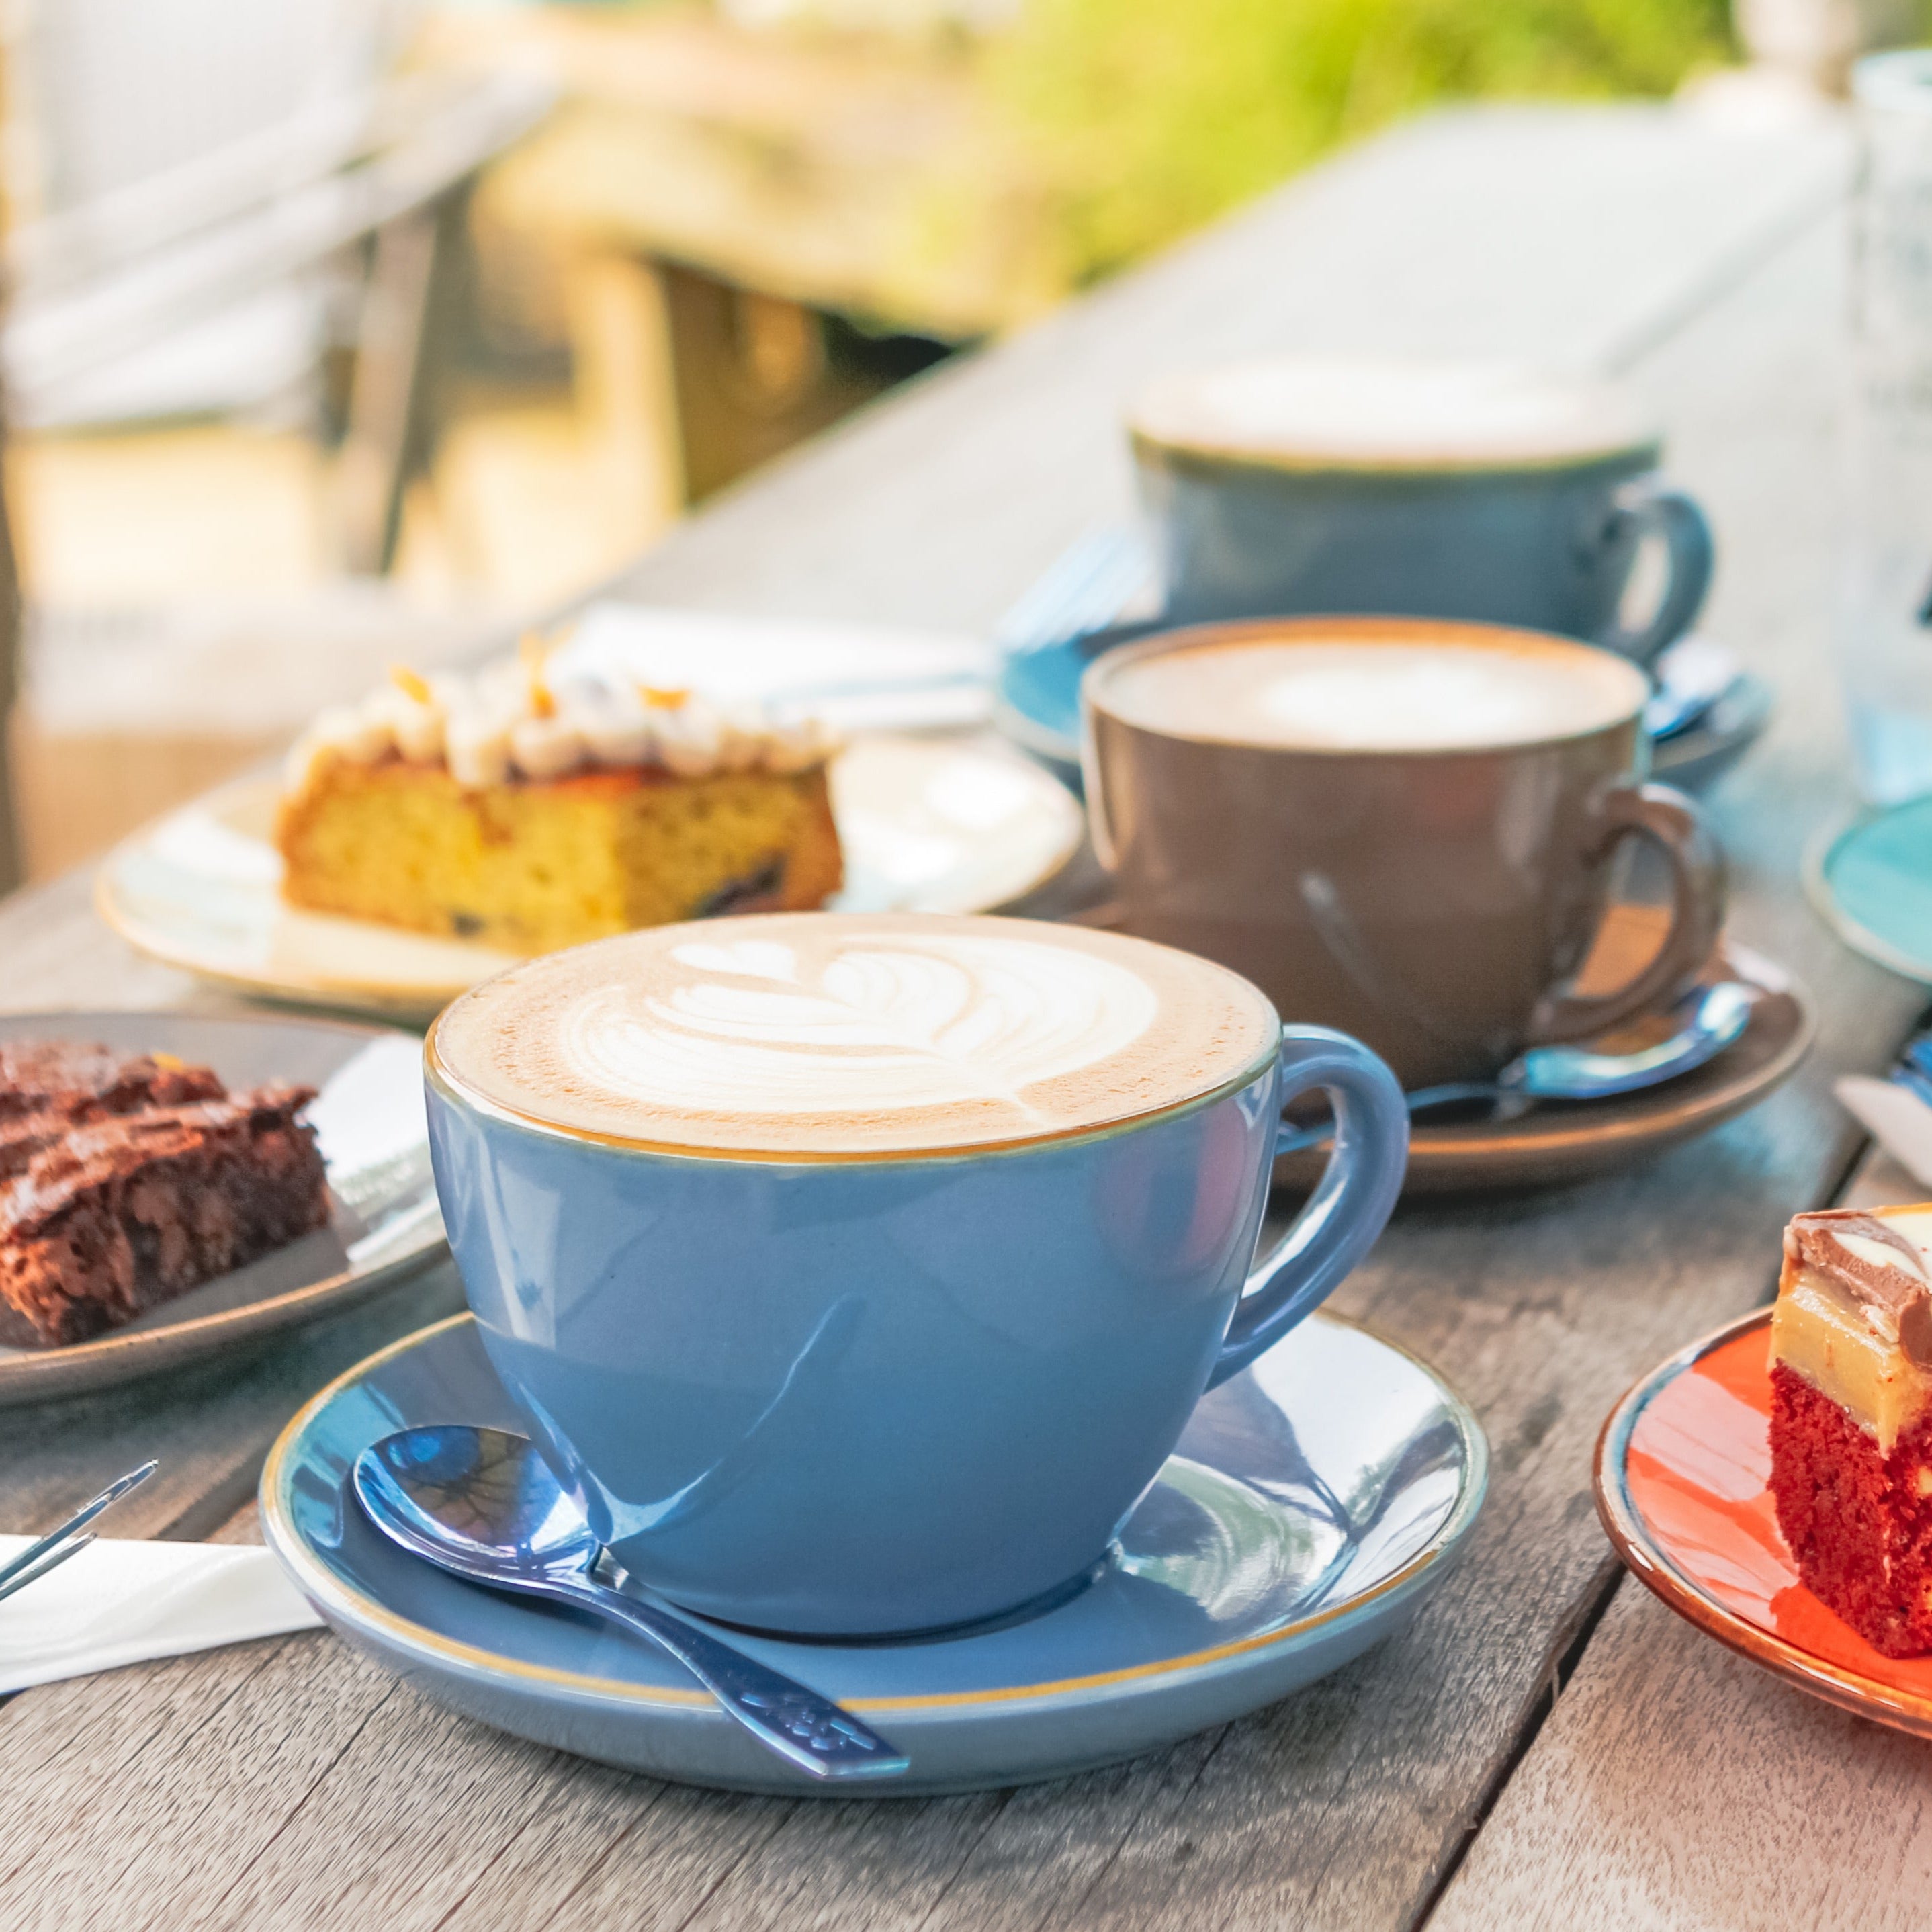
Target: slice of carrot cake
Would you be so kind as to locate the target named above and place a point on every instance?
(532, 812)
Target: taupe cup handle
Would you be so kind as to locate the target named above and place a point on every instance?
(1677, 828)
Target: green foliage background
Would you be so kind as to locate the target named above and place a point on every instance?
(1148, 118)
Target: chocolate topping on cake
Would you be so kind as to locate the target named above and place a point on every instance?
(1876, 1266)
(72, 1081)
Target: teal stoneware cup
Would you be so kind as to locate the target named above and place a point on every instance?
(1482, 491)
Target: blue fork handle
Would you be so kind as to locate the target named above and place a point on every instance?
(1355, 1197)
(817, 1735)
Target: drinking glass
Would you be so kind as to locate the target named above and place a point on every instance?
(1884, 615)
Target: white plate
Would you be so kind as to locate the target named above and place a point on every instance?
(927, 826)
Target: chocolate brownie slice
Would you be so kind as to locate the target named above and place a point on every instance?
(122, 1211)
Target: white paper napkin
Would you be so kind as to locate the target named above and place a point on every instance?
(857, 677)
(1894, 1116)
(123, 1602)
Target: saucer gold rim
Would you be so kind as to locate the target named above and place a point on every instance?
(321, 1586)
(1550, 1146)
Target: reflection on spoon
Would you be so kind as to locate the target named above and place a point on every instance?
(1707, 1020)
(483, 1504)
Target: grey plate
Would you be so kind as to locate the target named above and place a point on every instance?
(1313, 1503)
(384, 1223)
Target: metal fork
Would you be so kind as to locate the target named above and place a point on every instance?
(70, 1538)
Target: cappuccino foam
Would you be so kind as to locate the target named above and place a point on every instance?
(1323, 412)
(797, 1034)
(1396, 693)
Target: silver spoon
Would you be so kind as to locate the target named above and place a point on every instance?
(1708, 1019)
(482, 1503)
(1691, 676)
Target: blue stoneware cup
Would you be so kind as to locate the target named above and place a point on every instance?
(1478, 491)
(856, 1395)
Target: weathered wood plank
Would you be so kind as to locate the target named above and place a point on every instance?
(58, 954)
(1676, 1786)
(290, 1785)
(210, 1426)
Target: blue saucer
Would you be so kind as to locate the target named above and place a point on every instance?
(1038, 709)
(1873, 883)
(1039, 699)
(1269, 1553)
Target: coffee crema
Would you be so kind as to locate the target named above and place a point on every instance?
(1405, 689)
(792, 1035)
(1335, 412)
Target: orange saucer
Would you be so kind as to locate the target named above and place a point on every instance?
(1683, 1480)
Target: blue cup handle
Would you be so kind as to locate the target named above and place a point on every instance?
(1652, 505)
(1347, 1210)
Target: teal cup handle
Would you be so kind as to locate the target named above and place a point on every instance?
(1347, 1210)
(1648, 505)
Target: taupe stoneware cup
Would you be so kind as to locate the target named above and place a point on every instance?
(1436, 901)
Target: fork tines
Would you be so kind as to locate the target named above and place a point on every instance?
(70, 1538)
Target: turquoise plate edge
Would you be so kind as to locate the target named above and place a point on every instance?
(1824, 853)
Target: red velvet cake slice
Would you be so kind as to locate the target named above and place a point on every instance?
(125, 1182)
(1851, 1417)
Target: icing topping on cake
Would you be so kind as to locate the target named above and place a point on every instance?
(1854, 1314)
(519, 718)
(1878, 1266)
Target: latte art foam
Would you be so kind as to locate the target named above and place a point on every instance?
(1393, 693)
(803, 1033)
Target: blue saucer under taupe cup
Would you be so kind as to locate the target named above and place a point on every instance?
(1485, 491)
(857, 1275)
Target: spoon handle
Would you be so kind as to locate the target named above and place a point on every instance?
(812, 1732)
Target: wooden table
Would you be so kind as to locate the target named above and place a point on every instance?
(1545, 1746)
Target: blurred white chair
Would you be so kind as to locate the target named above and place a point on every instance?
(136, 124)
(208, 196)
(211, 181)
